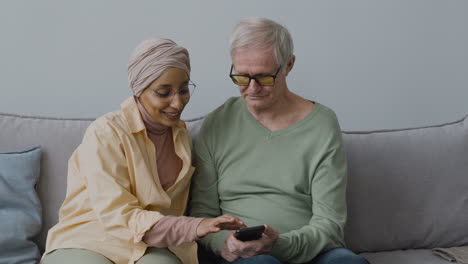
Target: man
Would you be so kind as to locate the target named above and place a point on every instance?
(273, 158)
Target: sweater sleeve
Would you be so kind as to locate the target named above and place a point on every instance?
(204, 193)
(325, 229)
(101, 160)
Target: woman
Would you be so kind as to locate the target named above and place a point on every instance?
(129, 179)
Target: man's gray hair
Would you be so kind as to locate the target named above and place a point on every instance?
(259, 32)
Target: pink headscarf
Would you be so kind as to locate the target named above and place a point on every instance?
(151, 59)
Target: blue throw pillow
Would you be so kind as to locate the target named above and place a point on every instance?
(20, 208)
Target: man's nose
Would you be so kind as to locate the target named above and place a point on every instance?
(253, 85)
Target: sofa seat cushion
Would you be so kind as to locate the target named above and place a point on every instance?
(407, 189)
(412, 256)
(20, 208)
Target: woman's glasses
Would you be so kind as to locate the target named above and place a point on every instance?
(184, 92)
(261, 79)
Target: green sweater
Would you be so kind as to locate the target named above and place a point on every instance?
(293, 179)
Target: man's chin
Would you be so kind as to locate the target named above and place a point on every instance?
(257, 105)
(257, 102)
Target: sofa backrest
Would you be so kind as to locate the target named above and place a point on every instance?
(408, 188)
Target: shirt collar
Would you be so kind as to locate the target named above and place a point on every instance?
(132, 114)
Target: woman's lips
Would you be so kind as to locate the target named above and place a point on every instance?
(172, 115)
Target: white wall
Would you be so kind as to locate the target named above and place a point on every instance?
(378, 64)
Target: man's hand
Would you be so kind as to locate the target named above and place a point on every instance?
(213, 225)
(234, 249)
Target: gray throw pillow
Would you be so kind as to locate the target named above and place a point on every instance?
(20, 208)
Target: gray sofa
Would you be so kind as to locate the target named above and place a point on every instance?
(407, 189)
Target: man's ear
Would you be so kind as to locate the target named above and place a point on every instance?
(290, 65)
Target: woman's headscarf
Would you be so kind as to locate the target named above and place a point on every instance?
(151, 59)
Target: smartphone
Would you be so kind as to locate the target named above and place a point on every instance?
(249, 233)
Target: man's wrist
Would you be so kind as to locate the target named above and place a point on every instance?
(280, 248)
(215, 241)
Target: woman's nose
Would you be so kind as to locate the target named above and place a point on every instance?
(177, 102)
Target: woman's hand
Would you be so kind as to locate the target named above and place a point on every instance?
(213, 225)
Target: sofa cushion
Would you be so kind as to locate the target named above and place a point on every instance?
(58, 138)
(412, 256)
(20, 208)
(407, 188)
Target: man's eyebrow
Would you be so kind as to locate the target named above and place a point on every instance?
(258, 74)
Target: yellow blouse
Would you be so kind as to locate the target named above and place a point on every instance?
(113, 191)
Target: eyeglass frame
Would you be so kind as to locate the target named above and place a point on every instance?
(171, 94)
(254, 77)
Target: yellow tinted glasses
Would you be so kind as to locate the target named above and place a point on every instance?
(261, 79)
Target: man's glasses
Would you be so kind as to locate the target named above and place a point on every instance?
(262, 80)
(184, 92)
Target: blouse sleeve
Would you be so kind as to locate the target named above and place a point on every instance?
(173, 231)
